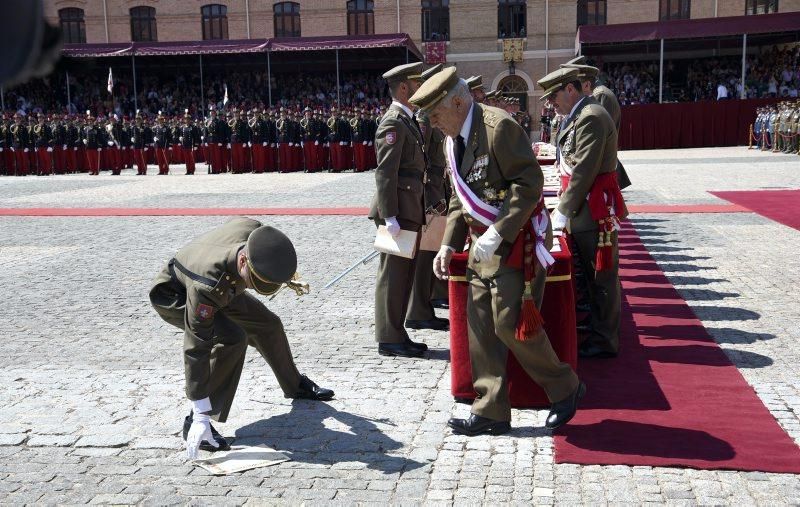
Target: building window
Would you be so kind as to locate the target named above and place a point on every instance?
(511, 17)
(674, 9)
(591, 12)
(360, 17)
(435, 20)
(72, 25)
(286, 18)
(761, 6)
(143, 24)
(215, 22)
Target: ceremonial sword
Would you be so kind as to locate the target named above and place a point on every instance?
(363, 260)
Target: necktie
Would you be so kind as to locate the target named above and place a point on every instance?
(460, 149)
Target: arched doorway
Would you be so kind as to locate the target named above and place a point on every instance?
(515, 86)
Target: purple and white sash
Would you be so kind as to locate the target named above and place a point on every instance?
(487, 214)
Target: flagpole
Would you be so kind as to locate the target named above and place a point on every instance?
(135, 98)
(69, 96)
(202, 88)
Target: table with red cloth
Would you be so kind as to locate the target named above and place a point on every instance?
(558, 311)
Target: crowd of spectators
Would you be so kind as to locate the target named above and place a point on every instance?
(173, 93)
(771, 73)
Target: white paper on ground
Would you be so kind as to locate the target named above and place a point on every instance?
(241, 458)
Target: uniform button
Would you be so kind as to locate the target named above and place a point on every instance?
(227, 277)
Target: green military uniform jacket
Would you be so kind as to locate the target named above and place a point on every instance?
(434, 142)
(609, 101)
(499, 166)
(203, 275)
(400, 174)
(588, 143)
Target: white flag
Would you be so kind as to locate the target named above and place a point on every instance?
(110, 82)
(225, 99)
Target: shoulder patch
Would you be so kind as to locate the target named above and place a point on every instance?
(391, 137)
(204, 312)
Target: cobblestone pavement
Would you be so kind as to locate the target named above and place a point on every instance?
(91, 380)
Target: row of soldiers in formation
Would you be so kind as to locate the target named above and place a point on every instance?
(259, 140)
(778, 128)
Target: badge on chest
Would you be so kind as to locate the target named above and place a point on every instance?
(478, 170)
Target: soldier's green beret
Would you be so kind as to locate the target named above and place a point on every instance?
(475, 82)
(435, 89)
(403, 72)
(578, 60)
(271, 259)
(584, 71)
(428, 73)
(556, 79)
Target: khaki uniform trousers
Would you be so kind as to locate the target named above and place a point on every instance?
(420, 307)
(392, 290)
(493, 308)
(605, 292)
(245, 321)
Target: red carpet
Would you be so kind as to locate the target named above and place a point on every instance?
(146, 212)
(672, 397)
(780, 205)
(136, 212)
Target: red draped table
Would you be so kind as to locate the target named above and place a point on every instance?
(558, 311)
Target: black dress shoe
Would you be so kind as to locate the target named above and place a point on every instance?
(440, 303)
(417, 345)
(435, 323)
(477, 425)
(561, 412)
(589, 351)
(399, 349)
(224, 445)
(308, 390)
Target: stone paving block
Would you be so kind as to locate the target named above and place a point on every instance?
(13, 438)
(52, 440)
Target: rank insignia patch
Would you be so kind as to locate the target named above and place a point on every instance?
(204, 312)
(391, 137)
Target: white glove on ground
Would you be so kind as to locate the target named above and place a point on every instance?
(392, 226)
(487, 244)
(441, 262)
(558, 219)
(200, 429)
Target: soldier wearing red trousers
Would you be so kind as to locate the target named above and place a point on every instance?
(91, 137)
(161, 142)
(43, 141)
(140, 133)
(189, 139)
(59, 131)
(113, 137)
(19, 145)
(73, 139)
(258, 139)
(239, 140)
(308, 139)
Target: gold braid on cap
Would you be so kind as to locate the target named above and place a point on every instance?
(437, 99)
(300, 288)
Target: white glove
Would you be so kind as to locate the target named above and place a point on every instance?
(316, 143)
(558, 219)
(219, 144)
(145, 148)
(392, 226)
(64, 147)
(199, 430)
(110, 143)
(133, 140)
(1, 150)
(49, 150)
(249, 144)
(487, 244)
(342, 143)
(229, 145)
(75, 149)
(369, 143)
(274, 145)
(155, 139)
(85, 141)
(25, 150)
(202, 138)
(180, 139)
(364, 143)
(264, 145)
(291, 144)
(441, 262)
(302, 144)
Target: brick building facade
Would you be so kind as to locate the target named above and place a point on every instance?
(474, 29)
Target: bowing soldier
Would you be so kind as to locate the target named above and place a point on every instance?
(591, 204)
(497, 200)
(203, 291)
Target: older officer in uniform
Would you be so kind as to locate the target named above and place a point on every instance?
(497, 191)
(398, 204)
(420, 309)
(591, 204)
(588, 78)
(202, 290)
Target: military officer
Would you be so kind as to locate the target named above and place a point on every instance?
(162, 139)
(92, 143)
(202, 290)
(19, 145)
(421, 313)
(476, 88)
(139, 136)
(398, 204)
(43, 141)
(591, 204)
(497, 200)
(188, 137)
(606, 98)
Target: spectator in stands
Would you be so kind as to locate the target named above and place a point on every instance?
(722, 91)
